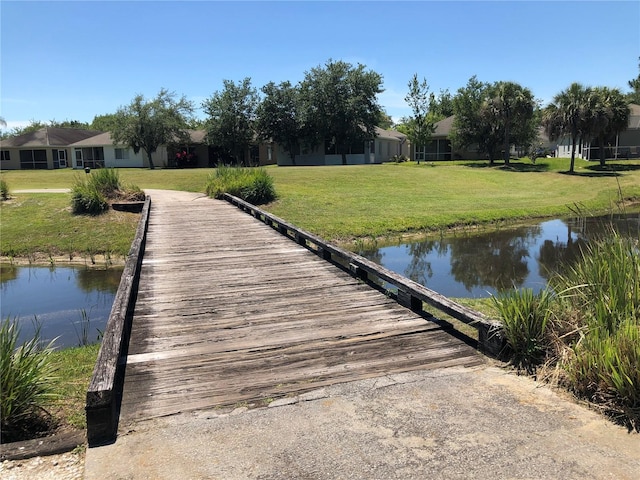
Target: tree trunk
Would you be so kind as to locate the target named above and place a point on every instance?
(573, 153)
(151, 165)
(344, 158)
(601, 143)
(505, 145)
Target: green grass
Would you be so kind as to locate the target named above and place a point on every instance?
(377, 200)
(44, 224)
(74, 370)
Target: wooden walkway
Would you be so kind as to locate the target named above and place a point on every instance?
(230, 312)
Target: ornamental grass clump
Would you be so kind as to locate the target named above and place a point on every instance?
(253, 185)
(92, 194)
(602, 292)
(26, 380)
(525, 317)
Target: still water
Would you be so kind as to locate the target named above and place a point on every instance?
(57, 298)
(480, 264)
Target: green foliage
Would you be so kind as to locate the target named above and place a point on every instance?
(254, 185)
(26, 376)
(525, 316)
(231, 118)
(608, 280)
(280, 117)
(340, 106)
(105, 123)
(4, 189)
(86, 198)
(420, 125)
(147, 124)
(604, 369)
(607, 115)
(91, 194)
(494, 117)
(634, 85)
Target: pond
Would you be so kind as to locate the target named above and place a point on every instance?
(479, 264)
(71, 303)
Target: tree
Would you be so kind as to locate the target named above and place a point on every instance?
(634, 84)
(472, 124)
(607, 115)
(384, 120)
(105, 123)
(512, 107)
(279, 117)
(70, 124)
(231, 117)
(147, 124)
(440, 106)
(340, 106)
(494, 117)
(567, 115)
(420, 126)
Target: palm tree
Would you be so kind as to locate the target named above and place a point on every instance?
(608, 115)
(511, 104)
(567, 116)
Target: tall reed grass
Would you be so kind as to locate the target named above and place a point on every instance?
(591, 331)
(91, 194)
(254, 185)
(26, 379)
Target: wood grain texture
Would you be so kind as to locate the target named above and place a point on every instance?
(231, 312)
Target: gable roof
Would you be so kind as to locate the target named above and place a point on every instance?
(49, 137)
(95, 141)
(389, 134)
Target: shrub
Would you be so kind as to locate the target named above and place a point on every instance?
(106, 181)
(603, 368)
(92, 193)
(26, 376)
(86, 198)
(253, 185)
(4, 189)
(525, 317)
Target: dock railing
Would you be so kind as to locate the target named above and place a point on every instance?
(407, 293)
(105, 388)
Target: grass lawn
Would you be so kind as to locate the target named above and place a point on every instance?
(339, 202)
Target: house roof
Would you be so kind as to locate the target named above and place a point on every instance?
(97, 140)
(49, 137)
(389, 134)
(443, 127)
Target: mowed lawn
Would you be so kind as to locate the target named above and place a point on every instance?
(346, 202)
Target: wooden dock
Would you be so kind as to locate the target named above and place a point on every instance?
(230, 312)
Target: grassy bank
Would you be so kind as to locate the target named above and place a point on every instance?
(41, 227)
(344, 202)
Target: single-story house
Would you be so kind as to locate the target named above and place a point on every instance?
(440, 147)
(382, 148)
(47, 148)
(624, 145)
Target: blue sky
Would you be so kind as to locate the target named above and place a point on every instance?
(75, 60)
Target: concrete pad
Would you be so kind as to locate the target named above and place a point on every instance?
(451, 423)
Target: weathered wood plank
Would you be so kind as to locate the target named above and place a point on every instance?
(231, 311)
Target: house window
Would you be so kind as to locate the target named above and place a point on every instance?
(5, 155)
(122, 153)
(93, 157)
(33, 159)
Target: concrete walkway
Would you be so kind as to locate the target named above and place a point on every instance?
(455, 423)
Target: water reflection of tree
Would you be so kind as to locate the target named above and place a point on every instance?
(419, 268)
(496, 259)
(99, 280)
(8, 273)
(553, 257)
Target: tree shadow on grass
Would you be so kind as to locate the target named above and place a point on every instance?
(514, 166)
